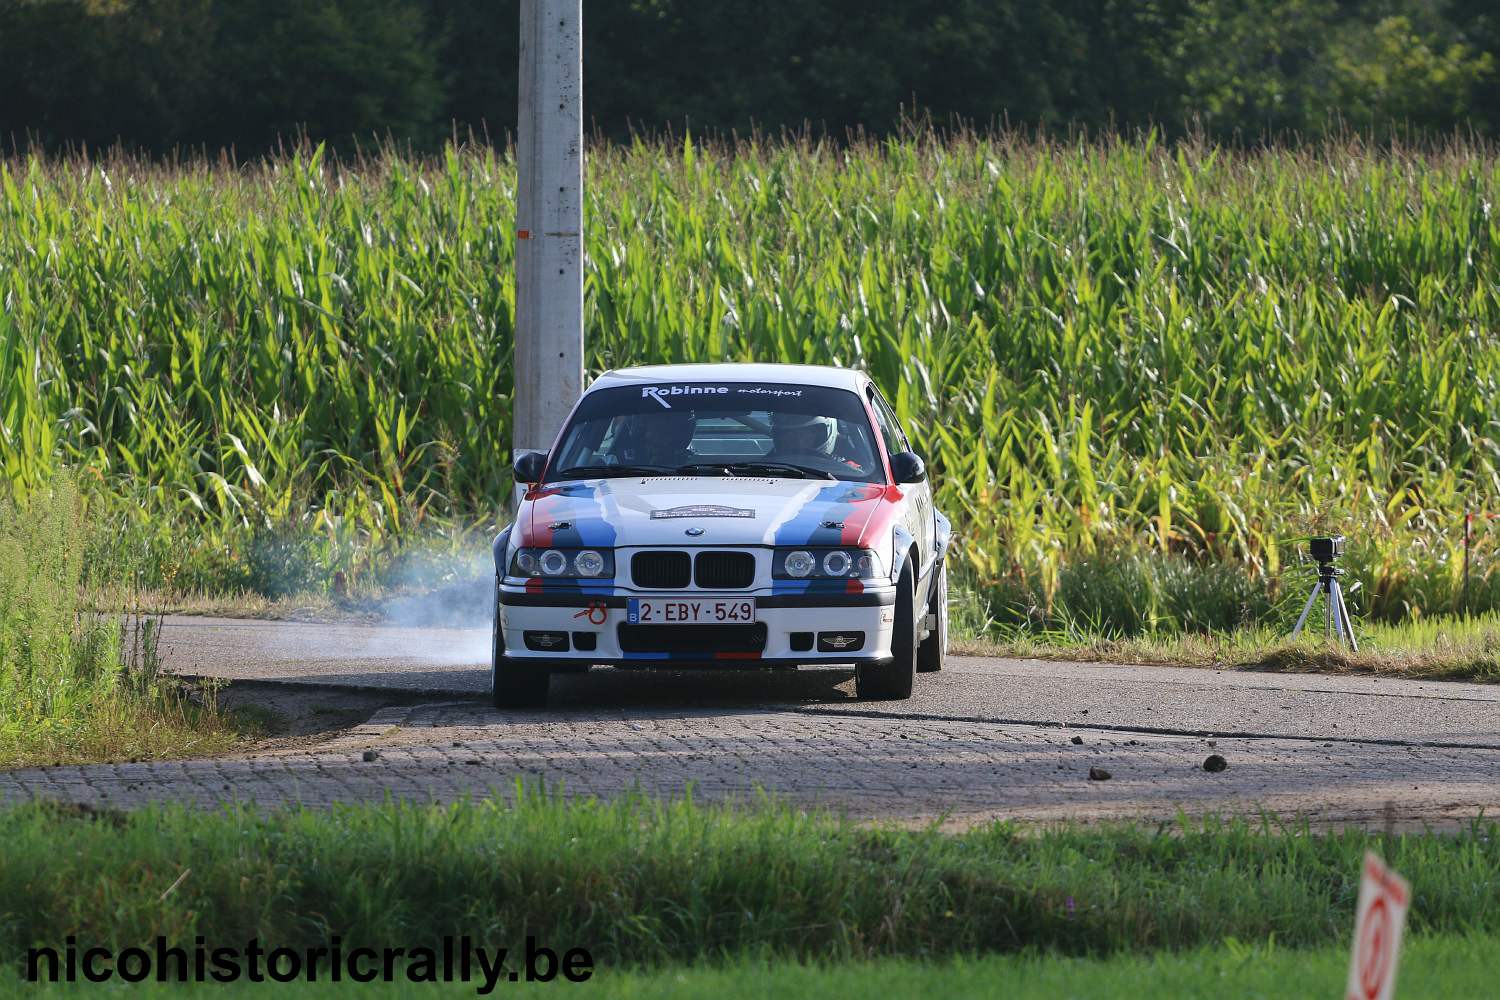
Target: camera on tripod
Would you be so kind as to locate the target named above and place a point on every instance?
(1326, 550)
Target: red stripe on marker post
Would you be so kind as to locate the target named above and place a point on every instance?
(1380, 915)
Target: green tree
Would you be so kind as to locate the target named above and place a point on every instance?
(98, 72)
(338, 70)
(1476, 24)
(253, 73)
(476, 43)
(1254, 66)
(1395, 76)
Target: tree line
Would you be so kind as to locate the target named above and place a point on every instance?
(164, 75)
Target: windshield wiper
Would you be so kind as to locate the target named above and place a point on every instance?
(782, 469)
(607, 471)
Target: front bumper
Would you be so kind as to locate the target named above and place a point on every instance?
(796, 625)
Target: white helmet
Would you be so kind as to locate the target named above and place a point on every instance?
(804, 433)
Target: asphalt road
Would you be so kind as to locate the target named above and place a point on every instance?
(987, 738)
(453, 663)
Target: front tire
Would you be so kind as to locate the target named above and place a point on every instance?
(512, 684)
(934, 648)
(893, 681)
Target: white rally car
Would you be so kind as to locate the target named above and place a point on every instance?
(720, 515)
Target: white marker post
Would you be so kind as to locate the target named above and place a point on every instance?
(1379, 917)
(548, 373)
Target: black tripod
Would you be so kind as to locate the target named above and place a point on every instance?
(1338, 612)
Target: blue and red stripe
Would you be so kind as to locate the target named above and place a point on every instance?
(570, 516)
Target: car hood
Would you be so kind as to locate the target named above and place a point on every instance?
(676, 510)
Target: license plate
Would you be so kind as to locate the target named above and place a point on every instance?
(656, 611)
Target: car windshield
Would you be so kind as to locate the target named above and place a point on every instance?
(708, 429)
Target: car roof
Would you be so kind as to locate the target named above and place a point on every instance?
(772, 374)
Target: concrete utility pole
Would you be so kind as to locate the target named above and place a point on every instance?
(549, 222)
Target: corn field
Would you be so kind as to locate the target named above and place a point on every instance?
(1138, 372)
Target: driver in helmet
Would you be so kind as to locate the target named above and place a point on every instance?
(804, 438)
(664, 438)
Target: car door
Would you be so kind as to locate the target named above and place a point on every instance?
(917, 511)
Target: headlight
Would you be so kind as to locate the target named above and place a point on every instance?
(799, 564)
(564, 563)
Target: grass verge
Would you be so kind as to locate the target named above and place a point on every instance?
(1437, 967)
(1446, 648)
(75, 685)
(648, 883)
(1431, 966)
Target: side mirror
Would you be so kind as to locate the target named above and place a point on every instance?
(908, 467)
(528, 467)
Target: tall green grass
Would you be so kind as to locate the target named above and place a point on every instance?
(75, 685)
(651, 882)
(1121, 358)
